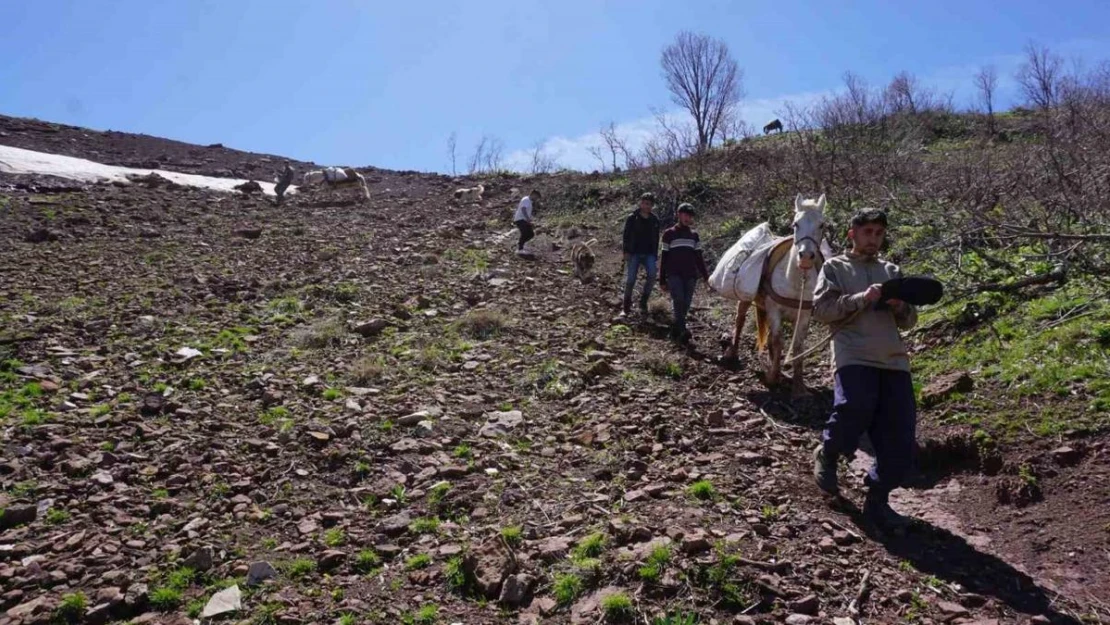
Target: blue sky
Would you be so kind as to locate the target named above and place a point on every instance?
(366, 82)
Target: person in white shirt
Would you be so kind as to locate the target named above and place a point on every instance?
(523, 219)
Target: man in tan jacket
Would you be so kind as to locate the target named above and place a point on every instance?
(873, 389)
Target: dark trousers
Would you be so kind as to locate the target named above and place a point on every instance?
(880, 402)
(632, 268)
(526, 233)
(682, 296)
(279, 190)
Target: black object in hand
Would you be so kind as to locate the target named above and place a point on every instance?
(916, 290)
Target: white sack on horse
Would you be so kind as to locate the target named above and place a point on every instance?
(335, 174)
(738, 273)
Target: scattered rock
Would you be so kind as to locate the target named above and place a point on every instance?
(808, 605)
(331, 559)
(12, 516)
(136, 596)
(372, 328)
(553, 548)
(489, 565)
(1066, 456)
(260, 572)
(951, 610)
(227, 600)
(307, 525)
(249, 187)
(397, 524)
(201, 559)
(515, 589)
(40, 235)
(501, 423)
(945, 386)
(248, 233)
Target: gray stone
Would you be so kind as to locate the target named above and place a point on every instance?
(260, 572)
(501, 423)
(515, 589)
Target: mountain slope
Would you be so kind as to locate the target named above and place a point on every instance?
(411, 424)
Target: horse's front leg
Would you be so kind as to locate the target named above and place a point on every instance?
(737, 328)
(774, 317)
(797, 346)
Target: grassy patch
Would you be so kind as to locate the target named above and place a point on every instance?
(299, 568)
(428, 525)
(552, 379)
(567, 587)
(663, 365)
(483, 324)
(56, 516)
(323, 333)
(617, 607)
(458, 578)
(164, 599)
(722, 580)
(1055, 348)
(368, 370)
(426, 615)
(335, 537)
(657, 561)
(591, 546)
(702, 489)
(419, 561)
(72, 607)
(512, 536)
(367, 561)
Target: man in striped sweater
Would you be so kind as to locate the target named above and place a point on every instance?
(681, 265)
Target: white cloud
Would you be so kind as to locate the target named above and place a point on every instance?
(574, 152)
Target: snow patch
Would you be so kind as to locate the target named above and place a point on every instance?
(20, 161)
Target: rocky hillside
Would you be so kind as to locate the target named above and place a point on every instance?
(336, 412)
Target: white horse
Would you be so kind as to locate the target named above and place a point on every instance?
(470, 194)
(336, 176)
(786, 289)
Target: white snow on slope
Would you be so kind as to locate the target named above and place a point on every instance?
(20, 161)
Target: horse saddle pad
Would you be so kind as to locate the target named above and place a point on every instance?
(916, 290)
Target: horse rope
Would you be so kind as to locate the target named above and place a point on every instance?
(821, 344)
(798, 317)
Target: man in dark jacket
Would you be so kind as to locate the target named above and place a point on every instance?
(681, 265)
(641, 248)
(283, 183)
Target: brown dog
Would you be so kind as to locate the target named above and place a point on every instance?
(582, 257)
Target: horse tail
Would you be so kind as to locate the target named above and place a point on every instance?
(362, 183)
(762, 329)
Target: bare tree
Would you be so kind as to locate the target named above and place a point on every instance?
(452, 142)
(906, 95)
(542, 162)
(986, 81)
(705, 80)
(612, 141)
(597, 151)
(478, 157)
(1040, 77)
(493, 156)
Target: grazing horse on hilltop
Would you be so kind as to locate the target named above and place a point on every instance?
(786, 285)
(337, 176)
(774, 124)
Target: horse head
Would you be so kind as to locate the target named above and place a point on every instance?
(809, 227)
